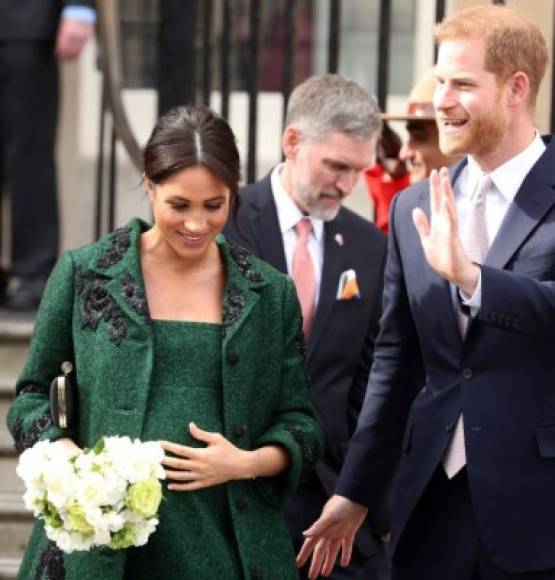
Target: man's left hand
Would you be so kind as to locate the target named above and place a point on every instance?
(72, 37)
(440, 235)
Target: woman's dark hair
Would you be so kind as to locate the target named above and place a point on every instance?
(192, 136)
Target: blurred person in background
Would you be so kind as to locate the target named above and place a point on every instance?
(419, 154)
(387, 176)
(34, 36)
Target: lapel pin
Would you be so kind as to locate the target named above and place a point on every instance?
(339, 239)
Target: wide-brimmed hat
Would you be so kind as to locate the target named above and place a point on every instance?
(419, 105)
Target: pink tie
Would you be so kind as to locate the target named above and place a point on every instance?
(303, 273)
(476, 244)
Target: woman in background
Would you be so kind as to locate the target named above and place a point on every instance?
(179, 337)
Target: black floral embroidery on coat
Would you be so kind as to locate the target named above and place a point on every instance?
(308, 451)
(120, 240)
(97, 305)
(33, 388)
(233, 305)
(242, 258)
(25, 438)
(134, 296)
(51, 562)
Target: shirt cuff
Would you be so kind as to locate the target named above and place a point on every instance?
(81, 13)
(475, 301)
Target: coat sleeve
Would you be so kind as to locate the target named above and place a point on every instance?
(294, 426)
(29, 418)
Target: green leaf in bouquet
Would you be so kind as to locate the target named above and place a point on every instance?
(123, 538)
(51, 515)
(99, 447)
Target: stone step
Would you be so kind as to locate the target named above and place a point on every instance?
(16, 524)
(14, 537)
(9, 568)
(10, 484)
(16, 329)
(12, 359)
(6, 441)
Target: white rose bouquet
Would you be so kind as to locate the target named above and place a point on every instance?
(105, 496)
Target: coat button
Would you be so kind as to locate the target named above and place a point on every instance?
(449, 426)
(240, 430)
(475, 429)
(232, 357)
(242, 503)
(467, 374)
(257, 573)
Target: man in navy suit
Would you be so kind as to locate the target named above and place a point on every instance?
(462, 390)
(330, 136)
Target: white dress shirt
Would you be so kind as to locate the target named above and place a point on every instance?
(506, 180)
(288, 216)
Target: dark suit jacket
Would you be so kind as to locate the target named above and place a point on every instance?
(33, 19)
(339, 351)
(502, 377)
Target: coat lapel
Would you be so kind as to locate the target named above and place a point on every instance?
(331, 270)
(534, 199)
(118, 262)
(242, 288)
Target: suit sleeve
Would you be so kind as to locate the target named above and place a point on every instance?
(294, 426)
(517, 303)
(396, 377)
(29, 418)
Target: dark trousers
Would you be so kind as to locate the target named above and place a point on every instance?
(441, 540)
(28, 118)
(369, 562)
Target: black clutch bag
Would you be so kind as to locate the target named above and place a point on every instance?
(63, 398)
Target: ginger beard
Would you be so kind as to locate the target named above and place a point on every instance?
(478, 135)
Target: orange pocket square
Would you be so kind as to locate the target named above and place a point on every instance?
(348, 286)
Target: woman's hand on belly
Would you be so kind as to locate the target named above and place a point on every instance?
(191, 468)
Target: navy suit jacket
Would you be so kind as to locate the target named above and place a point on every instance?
(341, 343)
(501, 376)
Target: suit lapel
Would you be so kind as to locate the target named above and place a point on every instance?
(269, 236)
(331, 270)
(265, 225)
(534, 199)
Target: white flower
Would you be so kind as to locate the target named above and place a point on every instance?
(83, 498)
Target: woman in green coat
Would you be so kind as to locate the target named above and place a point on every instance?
(178, 337)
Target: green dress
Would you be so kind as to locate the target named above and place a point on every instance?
(187, 386)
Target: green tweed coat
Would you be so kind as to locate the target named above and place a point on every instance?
(94, 312)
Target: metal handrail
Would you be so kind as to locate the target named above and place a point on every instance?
(110, 58)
